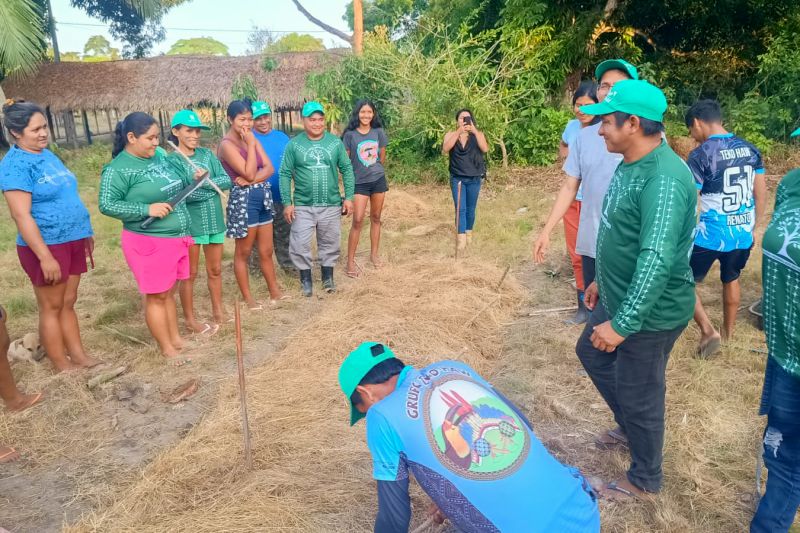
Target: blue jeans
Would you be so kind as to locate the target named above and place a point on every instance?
(780, 401)
(470, 188)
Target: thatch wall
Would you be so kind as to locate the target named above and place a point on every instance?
(167, 82)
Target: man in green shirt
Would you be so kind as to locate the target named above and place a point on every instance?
(780, 399)
(313, 161)
(643, 296)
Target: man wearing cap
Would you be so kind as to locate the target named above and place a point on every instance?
(469, 448)
(312, 162)
(591, 165)
(274, 143)
(644, 293)
(780, 399)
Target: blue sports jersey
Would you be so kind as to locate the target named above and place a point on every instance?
(475, 455)
(724, 168)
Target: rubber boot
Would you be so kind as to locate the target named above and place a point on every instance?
(581, 315)
(462, 241)
(306, 283)
(327, 279)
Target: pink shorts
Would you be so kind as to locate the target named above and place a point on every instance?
(156, 262)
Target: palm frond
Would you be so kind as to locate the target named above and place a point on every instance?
(21, 36)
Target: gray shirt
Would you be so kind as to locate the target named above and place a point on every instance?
(365, 153)
(590, 162)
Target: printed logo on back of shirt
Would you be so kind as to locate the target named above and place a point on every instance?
(471, 431)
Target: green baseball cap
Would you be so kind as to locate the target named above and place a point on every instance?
(635, 97)
(312, 107)
(618, 64)
(795, 133)
(188, 118)
(260, 108)
(356, 366)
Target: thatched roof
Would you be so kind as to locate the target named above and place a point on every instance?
(167, 82)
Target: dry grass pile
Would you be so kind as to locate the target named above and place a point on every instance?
(312, 472)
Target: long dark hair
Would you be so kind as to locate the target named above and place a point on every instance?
(586, 88)
(237, 107)
(137, 123)
(354, 121)
(18, 115)
(466, 110)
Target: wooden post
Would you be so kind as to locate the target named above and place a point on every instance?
(50, 123)
(161, 123)
(291, 126)
(86, 130)
(358, 27)
(283, 121)
(108, 119)
(70, 128)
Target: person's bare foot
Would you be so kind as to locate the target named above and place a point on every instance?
(8, 454)
(67, 367)
(352, 270)
(220, 318)
(376, 262)
(254, 305)
(23, 401)
(84, 361)
(177, 359)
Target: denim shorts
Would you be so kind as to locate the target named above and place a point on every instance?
(257, 213)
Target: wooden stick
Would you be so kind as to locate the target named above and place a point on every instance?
(552, 310)
(105, 377)
(423, 526)
(196, 168)
(484, 308)
(117, 332)
(458, 214)
(248, 455)
(502, 279)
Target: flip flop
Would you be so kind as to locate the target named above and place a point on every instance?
(352, 274)
(37, 398)
(616, 439)
(209, 330)
(275, 303)
(704, 351)
(615, 493)
(178, 361)
(8, 454)
(259, 307)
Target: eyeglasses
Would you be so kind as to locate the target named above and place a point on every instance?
(606, 86)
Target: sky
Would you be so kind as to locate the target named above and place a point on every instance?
(228, 21)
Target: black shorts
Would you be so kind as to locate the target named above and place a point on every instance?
(731, 263)
(373, 187)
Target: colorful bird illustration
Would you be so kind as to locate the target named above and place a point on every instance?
(465, 428)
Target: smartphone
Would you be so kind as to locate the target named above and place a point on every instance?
(468, 120)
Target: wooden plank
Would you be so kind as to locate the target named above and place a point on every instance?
(86, 130)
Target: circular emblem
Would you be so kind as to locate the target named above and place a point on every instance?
(473, 433)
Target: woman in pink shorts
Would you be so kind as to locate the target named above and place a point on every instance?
(138, 184)
(55, 233)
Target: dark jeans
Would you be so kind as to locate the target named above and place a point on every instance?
(632, 381)
(280, 237)
(587, 263)
(470, 187)
(781, 403)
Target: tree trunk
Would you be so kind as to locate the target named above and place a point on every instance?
(503, 151)
(330, 29)
(358, 27)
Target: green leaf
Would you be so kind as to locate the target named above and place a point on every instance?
(21, 37)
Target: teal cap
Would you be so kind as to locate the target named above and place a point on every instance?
(260, 108)
(312, 107)
(618, 64)
(188, 118)
(635, 97)
(356, 366)
(795, 133)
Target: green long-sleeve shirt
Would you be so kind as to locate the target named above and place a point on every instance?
(205, 207)
(315, 167)
(646, 230)
(780, 272)
(129, 184)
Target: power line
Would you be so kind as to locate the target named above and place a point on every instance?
(90, 25)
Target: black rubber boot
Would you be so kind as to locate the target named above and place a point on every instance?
(306, 283)
(327, 279)
(581, 315)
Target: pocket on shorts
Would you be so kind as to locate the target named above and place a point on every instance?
(145, 247)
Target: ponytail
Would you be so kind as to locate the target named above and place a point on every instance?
(137, 123)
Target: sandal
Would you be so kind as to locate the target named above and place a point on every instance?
(611, 439)
(354, 273)
(8, 454)
(35, 400)
(276, 302)
(616, 493)
(178, 361)
(209, 330)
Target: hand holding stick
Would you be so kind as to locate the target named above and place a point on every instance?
(196, 168)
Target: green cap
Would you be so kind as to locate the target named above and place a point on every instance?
(635, 97)
(618, 64)
(357, 365)
(795, 133)
(188, 118)
(260, 108)
(312, 107)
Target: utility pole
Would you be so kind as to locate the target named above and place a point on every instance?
(52, 25)
(358, 27)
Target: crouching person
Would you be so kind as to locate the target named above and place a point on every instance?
(470, 449)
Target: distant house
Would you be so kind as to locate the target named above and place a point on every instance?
(99, 94)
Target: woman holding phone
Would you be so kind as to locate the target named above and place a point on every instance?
(466, 146)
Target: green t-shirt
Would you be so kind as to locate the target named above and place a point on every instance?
(205, 206)
(129, 184)
(643, 245)
(780, 273)
(315, 167)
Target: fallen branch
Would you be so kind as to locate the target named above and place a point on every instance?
(540, 312)
(502, 279)
(484, 308)
(124, 336)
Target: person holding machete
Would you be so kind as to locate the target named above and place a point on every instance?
(208, 224)
(136, 187)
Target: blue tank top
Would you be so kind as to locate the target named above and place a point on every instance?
(475, 455)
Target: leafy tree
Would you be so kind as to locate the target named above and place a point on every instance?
(70, 56)
(258, 39)
(198, 46)
(97, 45)
(295, 42)
(396, 15)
